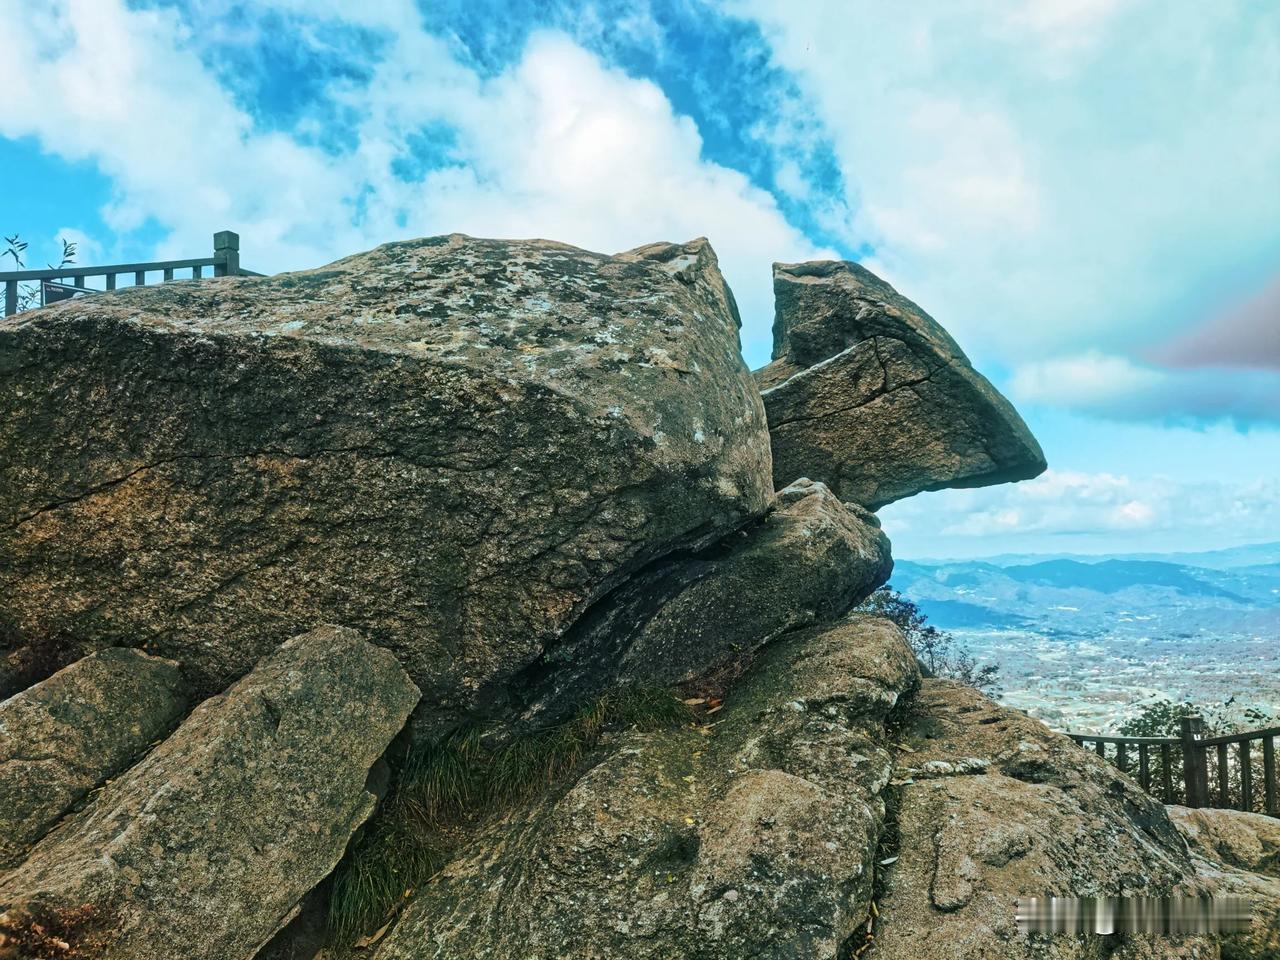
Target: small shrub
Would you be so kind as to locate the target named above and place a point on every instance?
(939, 653)
(15, 249)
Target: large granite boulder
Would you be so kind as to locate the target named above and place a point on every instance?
(454, 445)
(63, 737)
(868, 394)
(989, 806)
(809, 560)
(753, 837)
(203, 850)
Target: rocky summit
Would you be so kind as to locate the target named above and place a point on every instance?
(471, 599)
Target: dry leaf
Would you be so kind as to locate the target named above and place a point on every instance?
(374, 937)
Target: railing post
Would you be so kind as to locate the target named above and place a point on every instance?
(10, 297)
(226, 254)
(1246, 777)
(1166, 772)
(1224, 777)
(1269, 776)
(1195, 768)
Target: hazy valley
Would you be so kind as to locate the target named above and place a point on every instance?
(1084, 642)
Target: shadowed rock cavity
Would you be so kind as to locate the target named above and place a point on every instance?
(454, 445)
(868, 394)
(204, 849)
(809, 560)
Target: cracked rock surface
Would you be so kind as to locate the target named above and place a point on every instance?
(809, 560)
(204, 849)
(753, 839)
(454, 445)
(63, 737)
(990, 805)
(868, 394)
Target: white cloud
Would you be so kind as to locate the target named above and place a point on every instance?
(87, 248)
(1118, 388)
(1048, 176)
(1067, 510)
(557, 146)
(1064, 26)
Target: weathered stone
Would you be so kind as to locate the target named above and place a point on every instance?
(63, 737)
(1248, 841)
(1238, 854)
(990, 806)
(753, 838)
(205, 848)
(867, 393)
(808, 561)
(454, 445)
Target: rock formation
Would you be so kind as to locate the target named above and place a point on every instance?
(808, 561)
(1238, 854)
(867, 393)
(205, 848)
(524, 477)
(990, 806)
(453, 445)
(62, 738)
(757, 834)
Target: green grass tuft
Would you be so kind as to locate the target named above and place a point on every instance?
(459, 778)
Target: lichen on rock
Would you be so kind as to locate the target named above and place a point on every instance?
(64, 737)
(454, 445)
(755, 834)
(525, 477)
(204, 849)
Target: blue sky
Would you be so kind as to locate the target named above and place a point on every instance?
(1085, 192)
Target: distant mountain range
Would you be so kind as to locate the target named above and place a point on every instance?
(1095, 594)
(1083, 641)
(1248, 555)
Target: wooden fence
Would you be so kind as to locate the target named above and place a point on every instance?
(1176, 769)
(224, 262)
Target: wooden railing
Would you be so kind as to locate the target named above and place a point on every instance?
(224, 262)
(1176, 769)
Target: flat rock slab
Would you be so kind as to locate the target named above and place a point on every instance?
(63, 737)
(453, 445)
(753, 838)
(810, 560)
(204, 849)
(868, 394)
